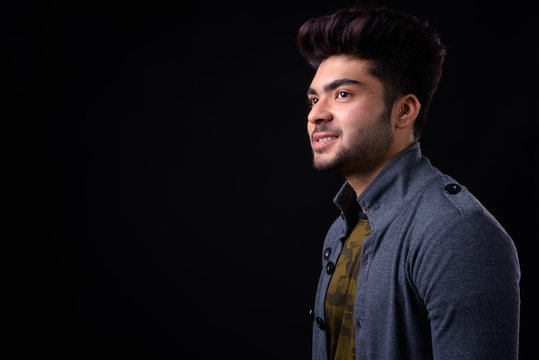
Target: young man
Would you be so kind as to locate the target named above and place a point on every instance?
(415, 267)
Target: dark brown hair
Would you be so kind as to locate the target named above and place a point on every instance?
(405, 53)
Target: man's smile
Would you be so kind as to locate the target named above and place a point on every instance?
(323, 139)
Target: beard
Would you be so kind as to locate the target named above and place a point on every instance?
(367, 150)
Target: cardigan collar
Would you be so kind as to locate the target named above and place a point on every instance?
(401, 178)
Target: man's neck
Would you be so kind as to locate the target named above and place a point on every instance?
(359, 182)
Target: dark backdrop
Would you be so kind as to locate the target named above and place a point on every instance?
(169, 208)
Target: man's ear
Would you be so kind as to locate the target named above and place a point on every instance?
(406, 110)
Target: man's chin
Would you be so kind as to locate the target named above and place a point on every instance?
(325, 165)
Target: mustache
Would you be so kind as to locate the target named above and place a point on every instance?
(326, 128)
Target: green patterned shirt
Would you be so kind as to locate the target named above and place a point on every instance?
(341, 295)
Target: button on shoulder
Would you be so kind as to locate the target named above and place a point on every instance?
(452, 189)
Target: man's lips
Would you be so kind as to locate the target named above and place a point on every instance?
(323, 139)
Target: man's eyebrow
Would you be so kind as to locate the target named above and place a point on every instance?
(311, 91)
(335, 84)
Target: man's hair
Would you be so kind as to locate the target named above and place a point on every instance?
(404, 52)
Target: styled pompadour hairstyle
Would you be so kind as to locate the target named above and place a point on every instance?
(404, 52)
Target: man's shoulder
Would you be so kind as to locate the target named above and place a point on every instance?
(445, 206)
(445, 197)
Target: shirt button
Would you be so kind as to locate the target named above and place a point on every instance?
(452, 189)
(330, 268)
(327, 253)
(320, 323)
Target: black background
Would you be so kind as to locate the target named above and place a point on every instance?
(169, 207)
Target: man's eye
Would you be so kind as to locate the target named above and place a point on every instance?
(342, 94)
(312, 101)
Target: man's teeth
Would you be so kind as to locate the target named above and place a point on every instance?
(327, 138)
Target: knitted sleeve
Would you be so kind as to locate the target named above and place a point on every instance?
(469, 280)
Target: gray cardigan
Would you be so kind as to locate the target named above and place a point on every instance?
(439, 276)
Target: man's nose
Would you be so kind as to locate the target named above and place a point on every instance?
(320, 113)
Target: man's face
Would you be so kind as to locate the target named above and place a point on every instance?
(349, 124)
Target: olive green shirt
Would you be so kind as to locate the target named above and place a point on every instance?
(341, 295)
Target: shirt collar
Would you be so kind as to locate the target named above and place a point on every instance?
(402, 176)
